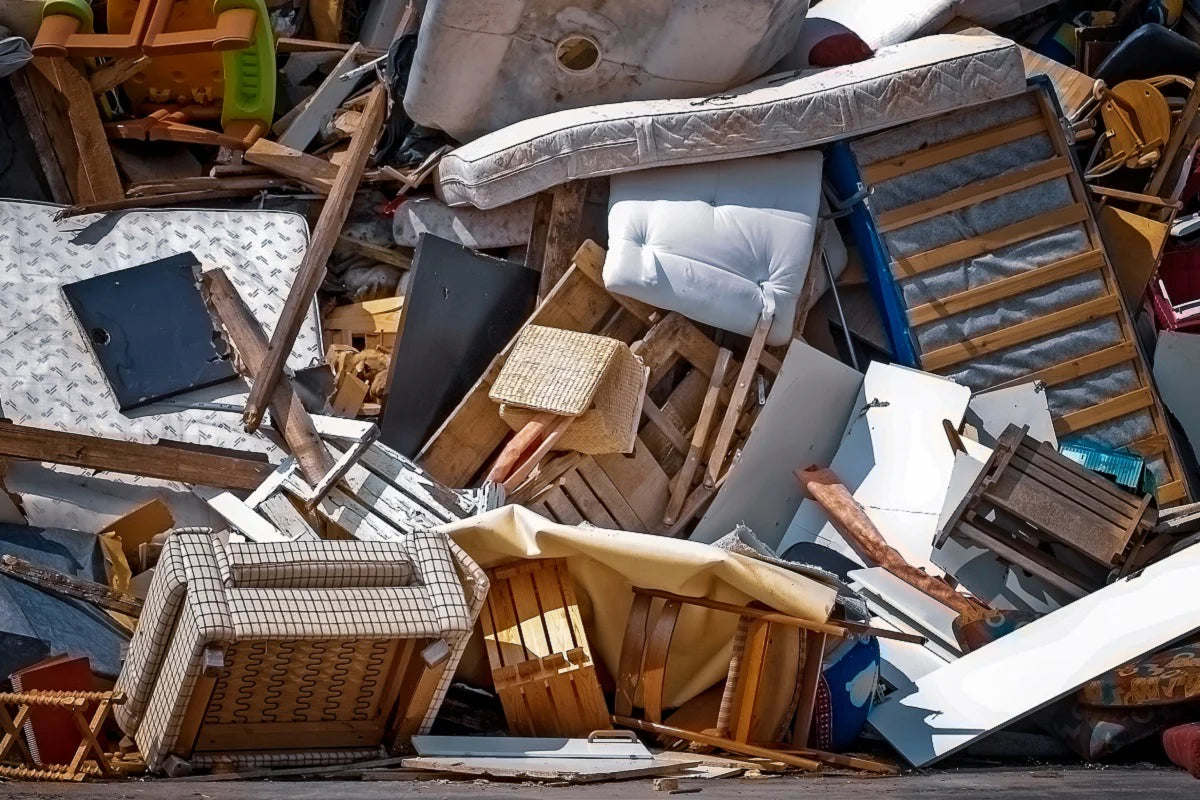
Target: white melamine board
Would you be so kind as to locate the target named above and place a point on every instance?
(801, 424)
(1033, 666)
(895, 458)
(917, 610)
(1024, 404)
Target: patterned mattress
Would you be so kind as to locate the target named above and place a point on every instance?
(900, 84)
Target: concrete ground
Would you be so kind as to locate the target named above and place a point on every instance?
(1008, 783)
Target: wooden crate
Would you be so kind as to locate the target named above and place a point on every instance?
(539, 654)
(1029, 497)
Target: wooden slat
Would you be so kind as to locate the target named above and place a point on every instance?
(988, 242)
(972, 194)
(587, 502)
(956, 148)
(1022, 332)
(1077, 367)
(1103, 412)
(165, 460)
(561, 507)
(1171, 492)
(608, 494)
(1005, 287)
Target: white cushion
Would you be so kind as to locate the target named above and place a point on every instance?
(719, 242)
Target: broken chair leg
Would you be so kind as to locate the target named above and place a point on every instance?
(738, 399)
(682, 484)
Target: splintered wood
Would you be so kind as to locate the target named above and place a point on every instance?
(539, 654)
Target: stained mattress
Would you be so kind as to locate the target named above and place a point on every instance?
(900, 84)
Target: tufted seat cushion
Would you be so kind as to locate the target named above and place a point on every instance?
(719, 243)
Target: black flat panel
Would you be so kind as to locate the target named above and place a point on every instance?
(150, 330)
(461, 309)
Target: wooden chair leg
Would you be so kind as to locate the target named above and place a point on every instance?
(810, 676)
(749, 678)
(682, 483)
(738, 399)
(554, 432)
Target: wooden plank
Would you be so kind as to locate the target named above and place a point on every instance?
(165, 460)
(561, 507)
(39, 135)
(563, 233)
(1077, 367)
(326, 16)
(312, 268)
(69, 113)
(608, 494)
(1022, 332)
(681, 486)
(311, 171)
(587, 502)
(733, 412)
(989, 242)
(1103, 412)
(248, 339)
(640, 480)
(664, 424)
(956, 148)
(1172, 492)
(732, 746)
(973, 193)
(1005, 287)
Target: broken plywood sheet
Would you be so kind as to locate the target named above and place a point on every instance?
(808, 408)
(1050, 658)
(895, 459)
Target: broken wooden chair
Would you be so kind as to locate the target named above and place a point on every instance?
(89, 759)
(566, 390)
(643, 668)
(1136, 119)
(538, 651)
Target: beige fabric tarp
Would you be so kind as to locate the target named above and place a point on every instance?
(606, 564)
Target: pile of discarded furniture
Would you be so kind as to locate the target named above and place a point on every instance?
(656, 394)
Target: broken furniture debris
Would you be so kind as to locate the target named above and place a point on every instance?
(625, 395)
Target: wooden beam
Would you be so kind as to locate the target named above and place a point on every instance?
(43, 146)
(311, 171)
(68, 585)
(562, 234)
(312, 268)
(911, 266)
(955, 148)
(1022, 332)
(1005, 287)
(166, 460)
(72, 120)
(248, 339)
(973, 193)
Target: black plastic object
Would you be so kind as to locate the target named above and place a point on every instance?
(460, 310)
(150, 330)
(1148, 52)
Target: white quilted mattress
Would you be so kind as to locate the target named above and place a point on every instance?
(900, 84)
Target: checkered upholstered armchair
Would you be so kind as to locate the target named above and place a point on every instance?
(296, 653)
